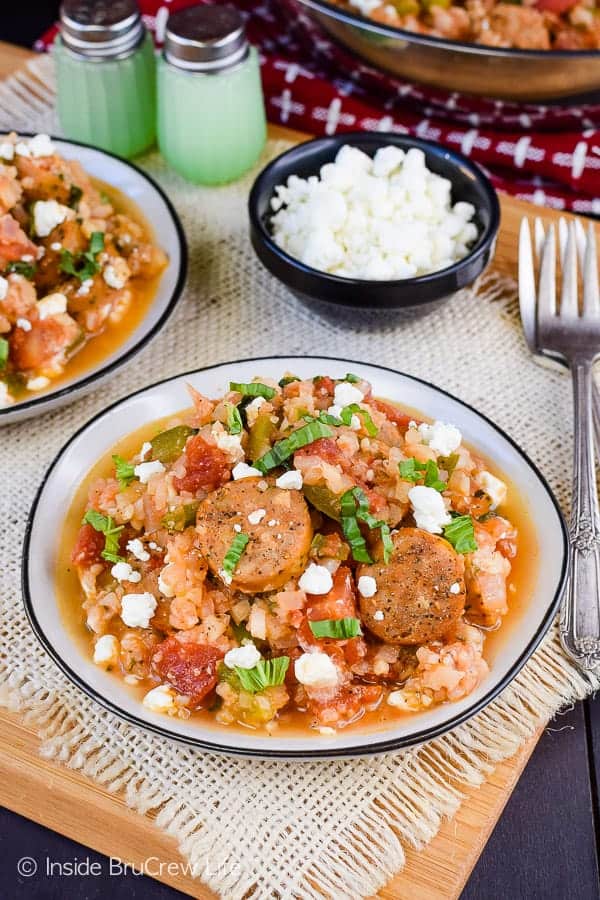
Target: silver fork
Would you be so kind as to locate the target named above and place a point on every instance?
(527, 299)
(572, 335)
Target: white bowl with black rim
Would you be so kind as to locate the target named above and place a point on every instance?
(101, 433)
(167, 232)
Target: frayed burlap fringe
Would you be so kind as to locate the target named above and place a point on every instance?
(339, 828)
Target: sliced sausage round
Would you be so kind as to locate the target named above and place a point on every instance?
(277, 522)
(420, 593)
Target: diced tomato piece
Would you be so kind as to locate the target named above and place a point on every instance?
(339, 603)
(207, 467)
(324, 386)
(190, 668)
(556, 6)
(88, 546)
(347, 704)
(47, 337)
(326, 448)
(14, 243)
(395, 415)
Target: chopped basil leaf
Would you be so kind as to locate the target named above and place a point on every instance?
(339, 629)
(351, 378)
(288, 379)
(234, 419)
(266, 673)
(181, 518)
(413, 470)
(83, 265)
(355, 409)
(106, 526)
(323, 417)
(254, 389)
(169, 445)
(355, 509)
(3, 352)
(234, 554)
(283, 449)
(20, 267)
(75, 195)
(460, 533)
(123, 470)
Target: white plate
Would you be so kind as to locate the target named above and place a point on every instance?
(101, 433)
(168, 234)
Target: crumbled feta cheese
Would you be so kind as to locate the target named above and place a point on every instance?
(256, 516)
(22, 149)
(243, 470)
(3, 287)
(122, 571)
(38, 384)
(145, 471)
(237, 528)
(116, 273)
(85, 287)
(160, 699)
(41, 252)
(164, 584)
(136, 548)
(367, 586)
(41, 145)
(7, 150)
(138, 609)
(244, 657)
(355, 423)
(23, 324)
(316, 670)
(52, 305)
(335, 411)
(230, 444)
(455, 588)
(56, 246)
(47, 214)
(327, 730)
(146, 449)
(27, 257)
(429, 509)
(494, 487)
(399, 700)
(106, 651)
(345, 394)
(384, 218)
(316, 580)
(153, 546)
(290, 481)
(378, 615)
(441, 437)
(225, 577)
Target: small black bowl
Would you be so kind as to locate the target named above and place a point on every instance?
(468, 184)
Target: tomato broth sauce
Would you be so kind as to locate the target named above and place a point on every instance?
(520, 586)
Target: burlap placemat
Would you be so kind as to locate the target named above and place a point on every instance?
(291, 830)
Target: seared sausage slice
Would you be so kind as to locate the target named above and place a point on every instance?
(276, 552)
(420, 593)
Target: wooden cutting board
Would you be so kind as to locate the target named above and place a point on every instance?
(74, 806)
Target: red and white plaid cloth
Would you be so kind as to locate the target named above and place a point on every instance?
(546, 154)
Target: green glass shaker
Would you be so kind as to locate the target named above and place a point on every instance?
(106, 76)
(211, 116)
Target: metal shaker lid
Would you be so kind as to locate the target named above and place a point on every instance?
(101, 29)
(205, 38)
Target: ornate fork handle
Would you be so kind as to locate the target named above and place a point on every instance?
(580, 618)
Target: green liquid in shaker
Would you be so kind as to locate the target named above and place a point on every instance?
(211, 127)
(110, 103)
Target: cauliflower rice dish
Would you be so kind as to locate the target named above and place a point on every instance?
(294, 552)
(72, 267)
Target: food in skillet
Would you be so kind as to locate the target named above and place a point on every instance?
(527, 25)
(295, 549)
(71, 266)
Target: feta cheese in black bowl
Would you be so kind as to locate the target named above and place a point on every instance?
(373, 221)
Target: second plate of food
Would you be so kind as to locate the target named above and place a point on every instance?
(293, 557)
(92, 262)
